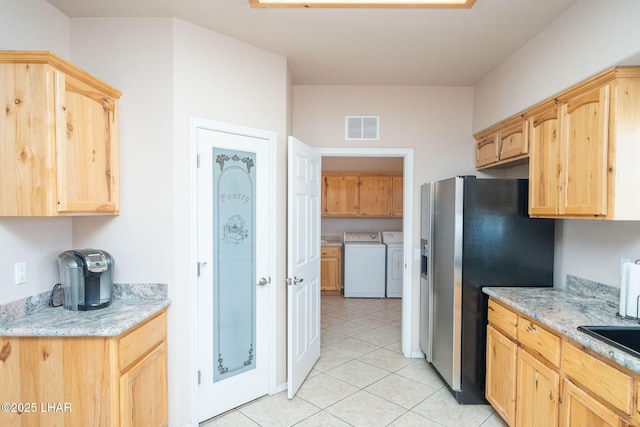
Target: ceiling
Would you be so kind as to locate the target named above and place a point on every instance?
(440, 47)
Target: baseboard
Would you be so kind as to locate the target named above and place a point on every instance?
(279, 388)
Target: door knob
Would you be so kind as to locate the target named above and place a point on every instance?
(263, 281)
(293, 281)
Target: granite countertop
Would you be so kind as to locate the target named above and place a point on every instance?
(132, 304)
(331, 241)
(564, 310)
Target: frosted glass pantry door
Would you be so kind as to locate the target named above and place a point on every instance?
(233, 249)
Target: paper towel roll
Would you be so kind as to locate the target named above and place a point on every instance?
(624, 278)
(633, 289)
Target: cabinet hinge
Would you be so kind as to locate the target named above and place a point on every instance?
(198, 161)
(199, 377)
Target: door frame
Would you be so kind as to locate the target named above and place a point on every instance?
(196, 123)
(407, 228)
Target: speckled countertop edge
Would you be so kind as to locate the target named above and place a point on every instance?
(331, 241)
(132, 304)
(564, 310)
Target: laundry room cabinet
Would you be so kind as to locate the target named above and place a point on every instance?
(59, 147)
(358, 195)
(397, 195)
(331, 270)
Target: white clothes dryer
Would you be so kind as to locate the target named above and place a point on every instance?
(395, 263)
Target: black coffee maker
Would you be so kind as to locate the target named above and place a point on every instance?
(86, 276)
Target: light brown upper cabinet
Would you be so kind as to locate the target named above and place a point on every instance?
(59, 149)
(397, 195)
(545, 163)
(503, 145)
(584, 145)
(583, 149)
(375, 196)
(513, 140)
(486, 150)
(340, 195)
(568, 162)
(584, 153)
(347, 195)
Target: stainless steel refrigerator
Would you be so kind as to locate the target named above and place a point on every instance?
(475, 233)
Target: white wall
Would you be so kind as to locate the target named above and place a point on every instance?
(27, 25)
(136, 56)
(221, 79)
(590, 37)
(168, 71)
(434, 121)
(33, 25)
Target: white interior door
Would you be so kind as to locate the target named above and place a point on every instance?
(303, 263)
(234, 223)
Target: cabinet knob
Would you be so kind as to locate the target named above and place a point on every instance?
(17, 101)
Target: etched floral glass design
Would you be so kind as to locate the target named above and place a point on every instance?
(234, 253)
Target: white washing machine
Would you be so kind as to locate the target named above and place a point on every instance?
(364, 265)
(395, 262)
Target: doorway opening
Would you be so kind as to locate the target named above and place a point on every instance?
(383, 160)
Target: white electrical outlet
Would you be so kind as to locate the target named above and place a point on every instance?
(21, 273)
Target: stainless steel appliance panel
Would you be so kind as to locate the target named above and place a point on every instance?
(447, 279)
(482, 236)
(425, 270)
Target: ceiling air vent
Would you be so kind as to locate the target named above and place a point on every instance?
(362, 127)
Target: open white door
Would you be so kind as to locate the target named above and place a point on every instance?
(303, 263)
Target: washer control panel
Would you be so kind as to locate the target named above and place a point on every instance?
(362, 237)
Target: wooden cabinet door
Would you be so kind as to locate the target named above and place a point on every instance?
(487, 150)
(544, 163)
(397, 185)
(340, 195)
(330, 269)
(537, 392)
(513, 141)
(585, 120)
(143, 390)
(27, 133)
(501, 374)
(87, 148)
(374, 196)
(580, 409)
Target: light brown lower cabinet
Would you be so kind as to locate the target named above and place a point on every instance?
(86, 381)
(538, 377)
(538, 391)
(501, 374)
(522, 383)
(580, 409)
(331, 270)
(148, 408)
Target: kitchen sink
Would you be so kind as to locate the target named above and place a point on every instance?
(625, 338)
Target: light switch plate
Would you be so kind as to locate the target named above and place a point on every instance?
(21, 273)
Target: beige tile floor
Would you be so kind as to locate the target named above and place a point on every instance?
(362, 379)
